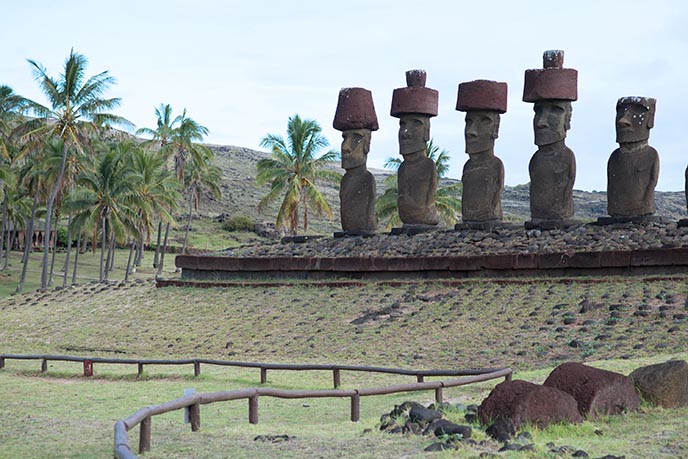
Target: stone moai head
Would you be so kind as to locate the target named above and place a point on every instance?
(414, 105)
(552, 89)
(356, 118)
(635, 116)
(483, 101)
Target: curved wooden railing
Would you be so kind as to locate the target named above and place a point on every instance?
(143, 417)
(193, 403)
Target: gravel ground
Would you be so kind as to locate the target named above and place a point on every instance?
(507, 240)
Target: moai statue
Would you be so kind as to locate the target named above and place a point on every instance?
(553, 166)
(633, 168)
(483, 174)
(684, 221)
(417, 175)
(356, 118)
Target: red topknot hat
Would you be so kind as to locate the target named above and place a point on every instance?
(355, 110)
(482, 95)
(415, 97)
(552, 81)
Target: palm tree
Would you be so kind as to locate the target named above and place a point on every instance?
(76, 111)
(178, 136)
(447, 198)
(157, 189)
(106, 200)
(292, 171)
(200, 176)
(11, 106)
(162, 136)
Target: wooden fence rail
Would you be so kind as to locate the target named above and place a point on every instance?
(143, 417)
(263, 367)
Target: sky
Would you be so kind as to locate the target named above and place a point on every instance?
(242, 68)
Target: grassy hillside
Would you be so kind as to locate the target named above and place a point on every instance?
(617, 324)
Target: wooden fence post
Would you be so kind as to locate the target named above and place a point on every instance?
(44, 365)
(140, 370)
(355, 407)
(508, 377)
(2, 363)
(253, 409)
(195, 416)
(337, 378)
(420, 378)
(438, 395)
(197, 368)
(263, 375)
(145, 435)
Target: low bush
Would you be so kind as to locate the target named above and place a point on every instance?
(239, 223)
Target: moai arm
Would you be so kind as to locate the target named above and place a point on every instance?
(654, 177)
(497, 196)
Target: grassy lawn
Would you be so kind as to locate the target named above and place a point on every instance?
(61, 414)
(529, 327)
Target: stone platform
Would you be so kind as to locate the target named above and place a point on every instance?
(641, 262)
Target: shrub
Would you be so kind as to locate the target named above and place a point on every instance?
(239, 223)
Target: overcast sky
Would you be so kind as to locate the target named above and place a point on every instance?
(242, 68)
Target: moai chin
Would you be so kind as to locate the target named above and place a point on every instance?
(633, 168)
(553, 166)
(483, 174)
(356, 118)
(414, 105)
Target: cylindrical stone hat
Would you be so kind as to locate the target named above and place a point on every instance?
(355, 110)
(415, 97)
(649, 103)
(552, 81)
(482, 95)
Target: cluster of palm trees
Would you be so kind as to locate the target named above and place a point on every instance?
(65, 159)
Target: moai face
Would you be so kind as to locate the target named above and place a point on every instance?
(355, 147)
(414, 133)
(482, 128)
(633, 122)
(552, 120)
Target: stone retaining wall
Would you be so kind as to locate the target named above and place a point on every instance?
(649, 261)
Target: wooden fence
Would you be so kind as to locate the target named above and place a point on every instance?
(143, 417)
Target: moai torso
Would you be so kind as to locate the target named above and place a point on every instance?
(551, 184)
(631, 180)
(417, 184)
(357, 197)
(483, 181)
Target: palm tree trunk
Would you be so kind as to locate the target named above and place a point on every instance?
(11, 237)
(49, 214)
(188, 221)
(52, 260)
(131, 255)
(139, 251)
(76, 257)
(305, 214)
(102, 249)
(156, 259)
(162, 252)
(28, 239)
(69, 248)
(4, 227)
(110, 256)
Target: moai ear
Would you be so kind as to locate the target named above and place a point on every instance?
(495, 126)
(651, 105)
(567, 117)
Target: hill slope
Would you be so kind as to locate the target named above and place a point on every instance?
(240, 194)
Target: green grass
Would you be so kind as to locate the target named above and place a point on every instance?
(88, 270)
(474, 324)
(61, 414)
